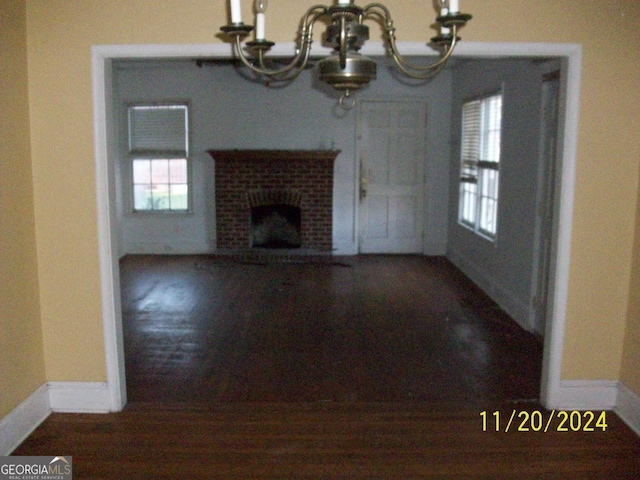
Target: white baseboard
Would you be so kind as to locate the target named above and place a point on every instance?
(23, 420)
(628, 407)
(584, 395)
(153, 248)
(345, 248)
(79, 397)
(64, 397)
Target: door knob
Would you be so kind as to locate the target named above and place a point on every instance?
(364, 183)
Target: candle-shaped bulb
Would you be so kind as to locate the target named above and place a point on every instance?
(236, 11)
(261, 8)
(454, 6)
(444, 30)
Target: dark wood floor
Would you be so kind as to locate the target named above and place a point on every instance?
(400, 441)
(359, 368)
(372, 328)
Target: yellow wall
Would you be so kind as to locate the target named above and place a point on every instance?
(61, 33)
(21, 356)
(631, 359)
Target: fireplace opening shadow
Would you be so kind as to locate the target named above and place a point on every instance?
(275, 226)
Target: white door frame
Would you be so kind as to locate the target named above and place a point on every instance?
(552, 395)
(545, 203)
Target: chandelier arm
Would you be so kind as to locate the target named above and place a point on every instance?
(424, 74)
(288, 73)
(385, 15)
(262, 69)
(415, 71)
(312, 15)
(301, 58)
(291, 73)
(404, 63)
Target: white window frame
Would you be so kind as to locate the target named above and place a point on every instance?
(163, 153)
(480, 158)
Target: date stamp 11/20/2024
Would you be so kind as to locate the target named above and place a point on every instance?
(538, 421)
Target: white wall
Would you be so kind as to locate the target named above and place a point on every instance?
(502, 268)
(229, 112)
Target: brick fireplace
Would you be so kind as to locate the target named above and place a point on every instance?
(285, 190)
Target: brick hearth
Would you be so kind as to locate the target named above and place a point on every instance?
(244, 175)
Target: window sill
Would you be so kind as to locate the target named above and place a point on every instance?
(160, 214)
(479, 233)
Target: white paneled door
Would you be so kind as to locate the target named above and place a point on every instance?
(391, 151)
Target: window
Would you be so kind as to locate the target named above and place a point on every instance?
(480, 162)
(158, 150)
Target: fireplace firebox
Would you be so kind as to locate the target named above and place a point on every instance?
(275, 226)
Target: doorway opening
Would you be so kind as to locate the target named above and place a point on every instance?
(109, 241)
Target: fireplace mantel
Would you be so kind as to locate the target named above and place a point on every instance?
(265, 155)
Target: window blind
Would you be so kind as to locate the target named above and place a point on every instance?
(480, 160)
(158, 129)
(470, 148)
(492, 124)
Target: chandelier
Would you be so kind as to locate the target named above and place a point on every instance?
(345, 69)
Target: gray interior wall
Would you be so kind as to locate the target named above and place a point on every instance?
(503, 268)
(228, 112)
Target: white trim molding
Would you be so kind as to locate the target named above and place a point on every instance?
(159, 248)
(102, 56)
(553, 352)
(24, 419)
(610, 395)
(628, 407)
(79, 397)
(62, 397)
(108, 245)
(586, 395)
